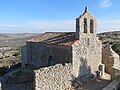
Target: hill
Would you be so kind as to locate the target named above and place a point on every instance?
(15, 40)
(110, 37)
(17, 36)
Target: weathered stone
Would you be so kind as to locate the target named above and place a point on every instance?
(51, 80)
(110, 59)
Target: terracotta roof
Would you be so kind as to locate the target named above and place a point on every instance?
(56, 38)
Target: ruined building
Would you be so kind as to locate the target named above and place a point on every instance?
(64, 56)
(78, 48)
(57, 60)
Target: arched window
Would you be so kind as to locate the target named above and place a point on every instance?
(85, 25)
(91, 25)
(51, 60)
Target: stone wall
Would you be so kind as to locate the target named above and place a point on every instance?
(38, 54)
(56, 77)
(86, 57)
(110, 59)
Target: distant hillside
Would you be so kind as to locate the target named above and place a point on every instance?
(17, 36)
(110, 37)
(15, 40)
(19, 39)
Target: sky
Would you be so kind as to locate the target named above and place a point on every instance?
(39, 16)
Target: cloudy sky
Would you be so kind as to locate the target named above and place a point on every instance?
(38, 16)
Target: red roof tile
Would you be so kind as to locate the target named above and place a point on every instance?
(56, 38)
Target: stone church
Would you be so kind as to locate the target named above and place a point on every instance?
(79, 48)
(60, 60)
(63, 55)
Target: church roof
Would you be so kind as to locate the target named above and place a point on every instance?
(55, 38)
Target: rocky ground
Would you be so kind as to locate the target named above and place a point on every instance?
(9, 56)
(97, 84)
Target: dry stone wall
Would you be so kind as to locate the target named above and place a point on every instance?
(110, 59)
(56, 77)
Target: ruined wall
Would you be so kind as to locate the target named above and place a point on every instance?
(38, 54)
(86, 56)
(110, 59)
(56, 77)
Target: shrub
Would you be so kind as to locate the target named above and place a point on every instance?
(116, 48)
(2, 72)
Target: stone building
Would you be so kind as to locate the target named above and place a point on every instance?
(64, 56)
(79, 48)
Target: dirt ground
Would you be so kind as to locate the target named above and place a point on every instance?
(98, 84)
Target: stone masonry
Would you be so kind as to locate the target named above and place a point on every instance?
(111, 60)
(87, 50)
(86, 58)
(61, 58)
(56, 77)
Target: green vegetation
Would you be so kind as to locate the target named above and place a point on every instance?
(2, 72)
(116, 48)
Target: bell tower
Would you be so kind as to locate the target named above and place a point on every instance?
(85, 25)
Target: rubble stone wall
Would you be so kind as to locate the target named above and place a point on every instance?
(110, 59)
(56, 77)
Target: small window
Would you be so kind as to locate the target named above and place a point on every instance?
(85, 25)
(91, 25)
(51, 60)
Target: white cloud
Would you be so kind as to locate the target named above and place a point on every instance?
(108, 25)
(69, 25)
(40, 27)
(65, 25)
(57, 26)
(105, 3)
(7, 26)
